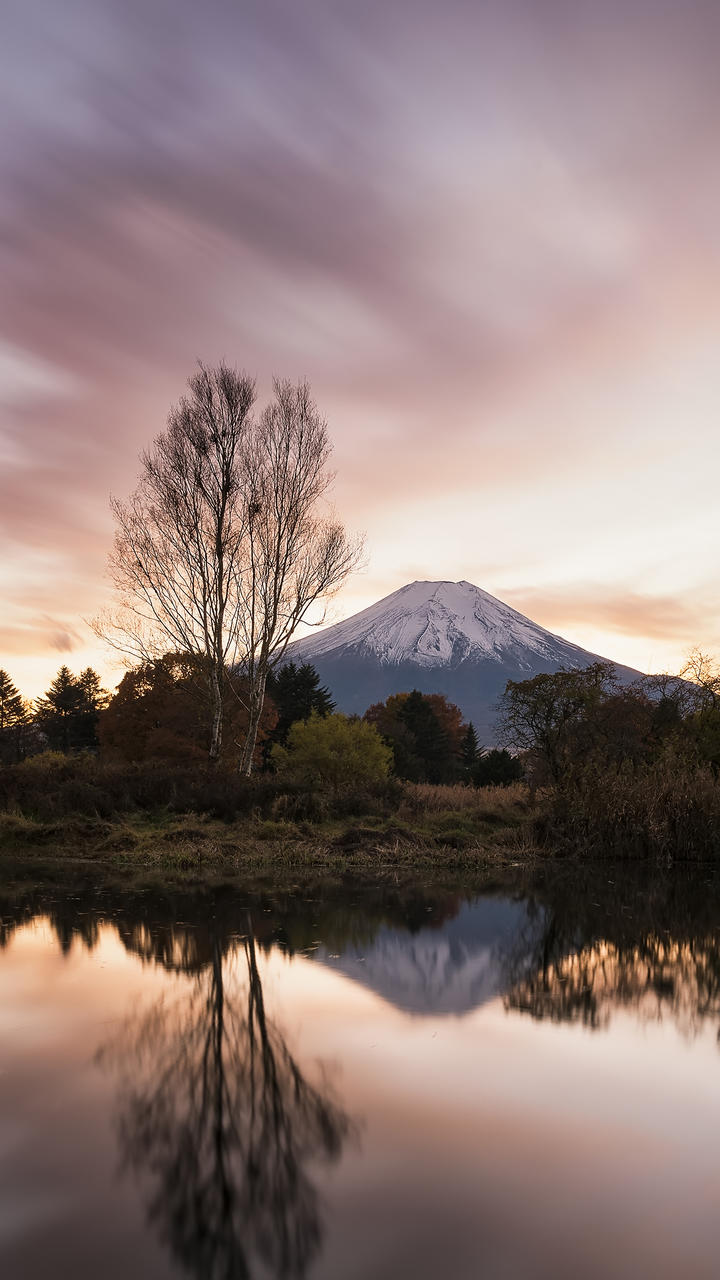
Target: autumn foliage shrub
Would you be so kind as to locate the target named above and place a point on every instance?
(668, 810)
(51, 786)
(333, 753)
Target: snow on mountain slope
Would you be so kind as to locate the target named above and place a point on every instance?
(439, 624)
(438, 637)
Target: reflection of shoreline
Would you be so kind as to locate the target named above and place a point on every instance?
(570, 944)
(180, 933)
(216, 1115)
(658, 977)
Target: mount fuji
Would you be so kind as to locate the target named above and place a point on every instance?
(438, 637)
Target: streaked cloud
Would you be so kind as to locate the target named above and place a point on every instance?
(666, 618)
(488, 234)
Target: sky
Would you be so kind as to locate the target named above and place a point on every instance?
(488, 233)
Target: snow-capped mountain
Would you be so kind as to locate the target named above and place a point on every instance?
(438, 624)
(438, 637)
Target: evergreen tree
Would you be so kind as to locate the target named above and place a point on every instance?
(297, 694)
(431, 742)
(386, 718)
(426, 733)
(497, 768)
(94, 697)
(13, 721)
(93, 700)
(469, 751)
(68, 713)
(12, 708)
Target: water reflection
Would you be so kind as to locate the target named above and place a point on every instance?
(435, 968)
(590, 947)
(237, 1151)
(660, 977)
(567, 945)
(216, 1114)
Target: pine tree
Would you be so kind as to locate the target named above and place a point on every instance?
(425, 732)
(297, 693)
(497, 768)
(469, 750)
(13, 722)
(13, 711)
(431, 744)
(94, 697)
(93, 700)
(60, 712)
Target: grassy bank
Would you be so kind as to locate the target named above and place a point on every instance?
(190, 823)
(78, 811)
(497, 830)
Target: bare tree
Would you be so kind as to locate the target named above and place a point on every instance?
(180, 540)
(296, 555)
(222, 549)
(703, 672)
(695, 689)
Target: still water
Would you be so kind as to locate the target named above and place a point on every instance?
(519, 1083)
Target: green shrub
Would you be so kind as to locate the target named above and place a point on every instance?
(333, 752)
(49, 764)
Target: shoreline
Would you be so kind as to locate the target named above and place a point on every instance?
(193, 850)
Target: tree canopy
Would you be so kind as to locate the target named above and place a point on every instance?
(160, 711)
(543, 716)
(297, 693)
(566, 721)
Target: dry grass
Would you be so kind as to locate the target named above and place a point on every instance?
(420, 798)
(207, 825)
(430, 828)
(669, 810)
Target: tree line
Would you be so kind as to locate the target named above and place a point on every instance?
(160, 712)
(64, 719)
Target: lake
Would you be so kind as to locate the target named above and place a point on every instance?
(421, 1082)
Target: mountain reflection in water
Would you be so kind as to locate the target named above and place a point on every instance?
(568, 947)
(232, 1137)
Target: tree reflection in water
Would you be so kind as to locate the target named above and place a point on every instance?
(214, 1108)
(584, 955)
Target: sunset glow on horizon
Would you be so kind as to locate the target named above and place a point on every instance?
(488, 236)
